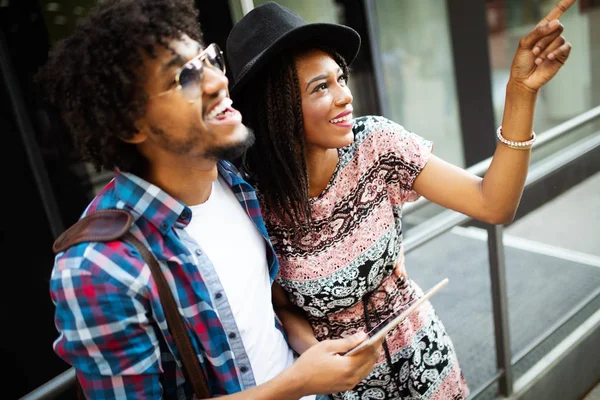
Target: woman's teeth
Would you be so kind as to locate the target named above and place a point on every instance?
(346, 118)
(220, 108)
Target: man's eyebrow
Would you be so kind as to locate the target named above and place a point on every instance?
(176, 60)
(316, 78)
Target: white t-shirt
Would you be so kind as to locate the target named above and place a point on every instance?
(238, 253)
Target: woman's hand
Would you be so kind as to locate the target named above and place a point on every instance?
(400, 268)
(542, 52)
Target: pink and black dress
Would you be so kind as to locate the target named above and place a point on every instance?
(340, 271)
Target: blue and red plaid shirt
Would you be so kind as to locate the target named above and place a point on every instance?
(111, 323)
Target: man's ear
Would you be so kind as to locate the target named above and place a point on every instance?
(139, 136)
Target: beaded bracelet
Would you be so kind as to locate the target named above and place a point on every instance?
(515, 145)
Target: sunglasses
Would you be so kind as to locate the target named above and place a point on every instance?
(190, 76)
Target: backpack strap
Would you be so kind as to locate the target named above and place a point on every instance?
(108, 225)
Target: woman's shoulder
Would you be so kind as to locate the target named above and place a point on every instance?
(377, 136)
(374, 127)
(376, 131)
(374, 123)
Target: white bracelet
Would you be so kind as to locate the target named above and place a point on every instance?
(516, 145)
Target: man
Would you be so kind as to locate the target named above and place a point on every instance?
(145, 98)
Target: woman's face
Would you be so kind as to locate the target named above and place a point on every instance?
(326, 101)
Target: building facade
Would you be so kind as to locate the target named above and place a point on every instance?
(437, 67)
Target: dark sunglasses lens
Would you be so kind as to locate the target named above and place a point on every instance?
(190, 75)
(189, 79)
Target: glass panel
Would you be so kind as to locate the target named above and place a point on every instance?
(573, 90)
(539, 238)
(310, 10)
(418, 72)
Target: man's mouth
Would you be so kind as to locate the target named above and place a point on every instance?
(221, 110)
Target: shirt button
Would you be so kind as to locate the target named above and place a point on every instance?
(243, 368)
(219, 295)
(185, 214)
(232, 335)
(198, 252)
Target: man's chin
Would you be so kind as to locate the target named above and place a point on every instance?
(232, 151)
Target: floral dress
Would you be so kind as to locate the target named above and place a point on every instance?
(340, 270)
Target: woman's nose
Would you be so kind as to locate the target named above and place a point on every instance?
(344, 96)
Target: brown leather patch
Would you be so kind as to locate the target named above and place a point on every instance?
(99, 226)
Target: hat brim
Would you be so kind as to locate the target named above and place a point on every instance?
(340, 38)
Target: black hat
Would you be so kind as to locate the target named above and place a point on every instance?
(271, 28)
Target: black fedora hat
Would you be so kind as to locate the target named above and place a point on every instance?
(271, 28)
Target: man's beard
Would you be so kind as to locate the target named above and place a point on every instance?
(233, 151)
(184, 146)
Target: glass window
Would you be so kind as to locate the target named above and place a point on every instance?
(310, 10)
(573, 90)
(418, 70)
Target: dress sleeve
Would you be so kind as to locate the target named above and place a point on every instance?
(406, 152)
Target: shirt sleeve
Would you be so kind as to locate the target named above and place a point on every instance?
(406, 152)
(103, 325)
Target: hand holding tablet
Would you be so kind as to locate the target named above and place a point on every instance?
(393, 320)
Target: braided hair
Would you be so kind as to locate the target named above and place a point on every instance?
(271, 106)
(94, 81)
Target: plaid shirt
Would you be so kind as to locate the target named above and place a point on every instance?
(111, 323)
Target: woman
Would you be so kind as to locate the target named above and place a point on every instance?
(332, 189)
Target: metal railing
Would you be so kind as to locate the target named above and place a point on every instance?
(542, 140)
(446, 220)
(442, 223)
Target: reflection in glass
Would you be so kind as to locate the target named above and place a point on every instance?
(418, 72)
(570, 92)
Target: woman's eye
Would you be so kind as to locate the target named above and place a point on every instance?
(343, 78)
(322, 86)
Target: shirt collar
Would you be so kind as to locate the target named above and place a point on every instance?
(157, 206)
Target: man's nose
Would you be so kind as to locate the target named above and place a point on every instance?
(214, 80)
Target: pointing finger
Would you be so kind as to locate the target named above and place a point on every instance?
(557, 11)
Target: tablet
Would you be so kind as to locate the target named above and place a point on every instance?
(393, 320)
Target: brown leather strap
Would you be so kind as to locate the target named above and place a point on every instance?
(98, 226)
(180, 336)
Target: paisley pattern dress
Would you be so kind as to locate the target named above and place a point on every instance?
(340, 269)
